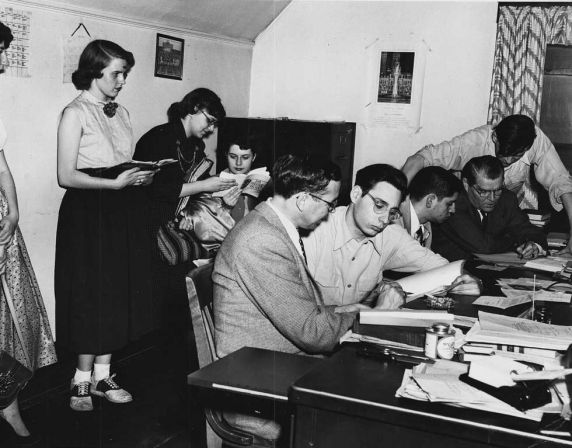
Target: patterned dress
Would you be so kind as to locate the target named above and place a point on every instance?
(31, 315)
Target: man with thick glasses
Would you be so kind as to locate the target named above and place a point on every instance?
(348, 253)
(520, 146)
(487, 218)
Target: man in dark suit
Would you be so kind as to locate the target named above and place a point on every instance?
(432, 195)
(487, 217)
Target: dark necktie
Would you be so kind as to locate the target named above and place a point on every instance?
(420, 235)
(485, 220)
(302, 247)
(110, 108)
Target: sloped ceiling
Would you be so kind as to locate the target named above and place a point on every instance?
(241, 20)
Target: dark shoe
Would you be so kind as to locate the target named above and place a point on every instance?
(109, 389)
(16, 441)
(80, 399)
(29, 441)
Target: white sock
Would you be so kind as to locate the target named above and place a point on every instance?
(100, 371)
(81, 376)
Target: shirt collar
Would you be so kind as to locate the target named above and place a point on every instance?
(343, 235)
(415, 224)
(291, 229)
(91, 98)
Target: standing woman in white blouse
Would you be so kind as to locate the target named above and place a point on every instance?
(35, 349)
(102, 271)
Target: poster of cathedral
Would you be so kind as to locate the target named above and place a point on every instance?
(395, 77)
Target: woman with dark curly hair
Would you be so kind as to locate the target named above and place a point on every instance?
(191, 120)
(103, 263)
(32, 343)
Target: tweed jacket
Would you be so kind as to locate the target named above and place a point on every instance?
(264, 295)
(463, 233)
(405, 221)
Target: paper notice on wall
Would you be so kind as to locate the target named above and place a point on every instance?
(18, 54)
(394, 78)
(72, 48)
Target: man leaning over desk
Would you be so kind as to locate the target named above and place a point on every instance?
(348, 253)
(487, 218)
(432, 195)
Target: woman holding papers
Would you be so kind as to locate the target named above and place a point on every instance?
(103, 259)
(211, 215)
(252, 183)
(191, 120)
(22, 311)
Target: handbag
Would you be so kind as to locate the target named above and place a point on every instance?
(13, 378)
(178, 246)
(210, 220)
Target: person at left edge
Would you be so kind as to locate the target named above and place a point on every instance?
(103, 264)
(15, 266)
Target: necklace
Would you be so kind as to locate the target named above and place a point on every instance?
(181, 158)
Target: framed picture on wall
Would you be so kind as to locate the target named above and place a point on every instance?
(169, 53)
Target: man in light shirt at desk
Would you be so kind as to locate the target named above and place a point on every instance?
(432, 195)
(487, 218)
(348, 253)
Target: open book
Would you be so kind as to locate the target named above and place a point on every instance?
(433, 281)
(517, 332)
(111, 172)
(251, 184)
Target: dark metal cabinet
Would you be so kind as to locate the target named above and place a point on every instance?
(275, 137)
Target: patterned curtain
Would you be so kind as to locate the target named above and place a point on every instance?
(522, 35)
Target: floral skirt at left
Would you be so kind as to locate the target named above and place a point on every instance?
(29, 307)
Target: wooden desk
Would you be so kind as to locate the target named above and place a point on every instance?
(349, 401)
(252, 381)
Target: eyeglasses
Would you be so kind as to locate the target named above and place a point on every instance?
(487, 193)
(331, 205)
(211, 121)
(380, 207)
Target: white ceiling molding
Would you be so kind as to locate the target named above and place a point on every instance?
(85, 12)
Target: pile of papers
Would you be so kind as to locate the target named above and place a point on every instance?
(523, 290)
(514, 331)
(439, 382)
(434, 281)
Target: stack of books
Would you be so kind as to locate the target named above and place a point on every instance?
(538, 218)
(517, 338)
(557, 240)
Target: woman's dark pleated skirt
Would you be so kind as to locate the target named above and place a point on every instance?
(103, 281)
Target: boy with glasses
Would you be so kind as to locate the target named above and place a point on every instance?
(487, 217)
(348, 253)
